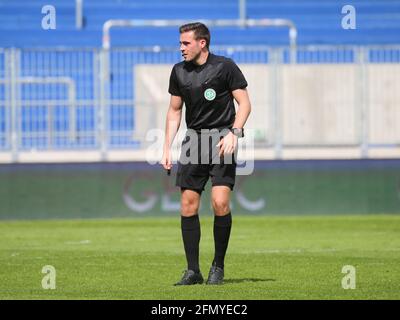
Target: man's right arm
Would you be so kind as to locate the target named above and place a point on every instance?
(173, 121)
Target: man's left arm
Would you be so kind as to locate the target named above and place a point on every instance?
(229, 143)
(242, 98)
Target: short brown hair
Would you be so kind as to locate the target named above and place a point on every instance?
(200, 31)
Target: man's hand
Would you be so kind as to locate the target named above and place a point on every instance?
(166, 160)
(227, 144)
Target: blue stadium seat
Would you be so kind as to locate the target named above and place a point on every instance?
(378, 22)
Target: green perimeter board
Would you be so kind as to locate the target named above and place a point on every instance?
(102, 190)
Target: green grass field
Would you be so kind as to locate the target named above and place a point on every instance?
(269, 257)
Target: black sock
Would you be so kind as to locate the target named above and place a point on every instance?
(222, 231)
(191, 238)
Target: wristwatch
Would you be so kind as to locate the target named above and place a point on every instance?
(238, 132)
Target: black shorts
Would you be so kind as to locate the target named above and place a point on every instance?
(199, 162)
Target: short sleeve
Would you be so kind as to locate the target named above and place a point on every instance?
(173, 84)
(234, 76)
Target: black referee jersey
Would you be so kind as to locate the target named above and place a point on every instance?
(207, 91)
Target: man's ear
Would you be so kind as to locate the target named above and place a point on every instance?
(203, 43)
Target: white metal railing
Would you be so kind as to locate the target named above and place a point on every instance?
(79, 14)
(106, 44)
(242, 10)
(334, 102)
(71, 103)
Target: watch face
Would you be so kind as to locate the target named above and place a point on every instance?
(238, 132)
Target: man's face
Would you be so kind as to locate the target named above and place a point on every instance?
(190, 47)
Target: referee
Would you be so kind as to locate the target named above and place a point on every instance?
(207, 84)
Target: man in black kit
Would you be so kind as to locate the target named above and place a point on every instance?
(207, 84)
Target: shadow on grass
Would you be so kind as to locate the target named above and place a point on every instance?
(247, 280)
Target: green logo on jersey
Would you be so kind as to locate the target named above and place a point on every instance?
(210, 94)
